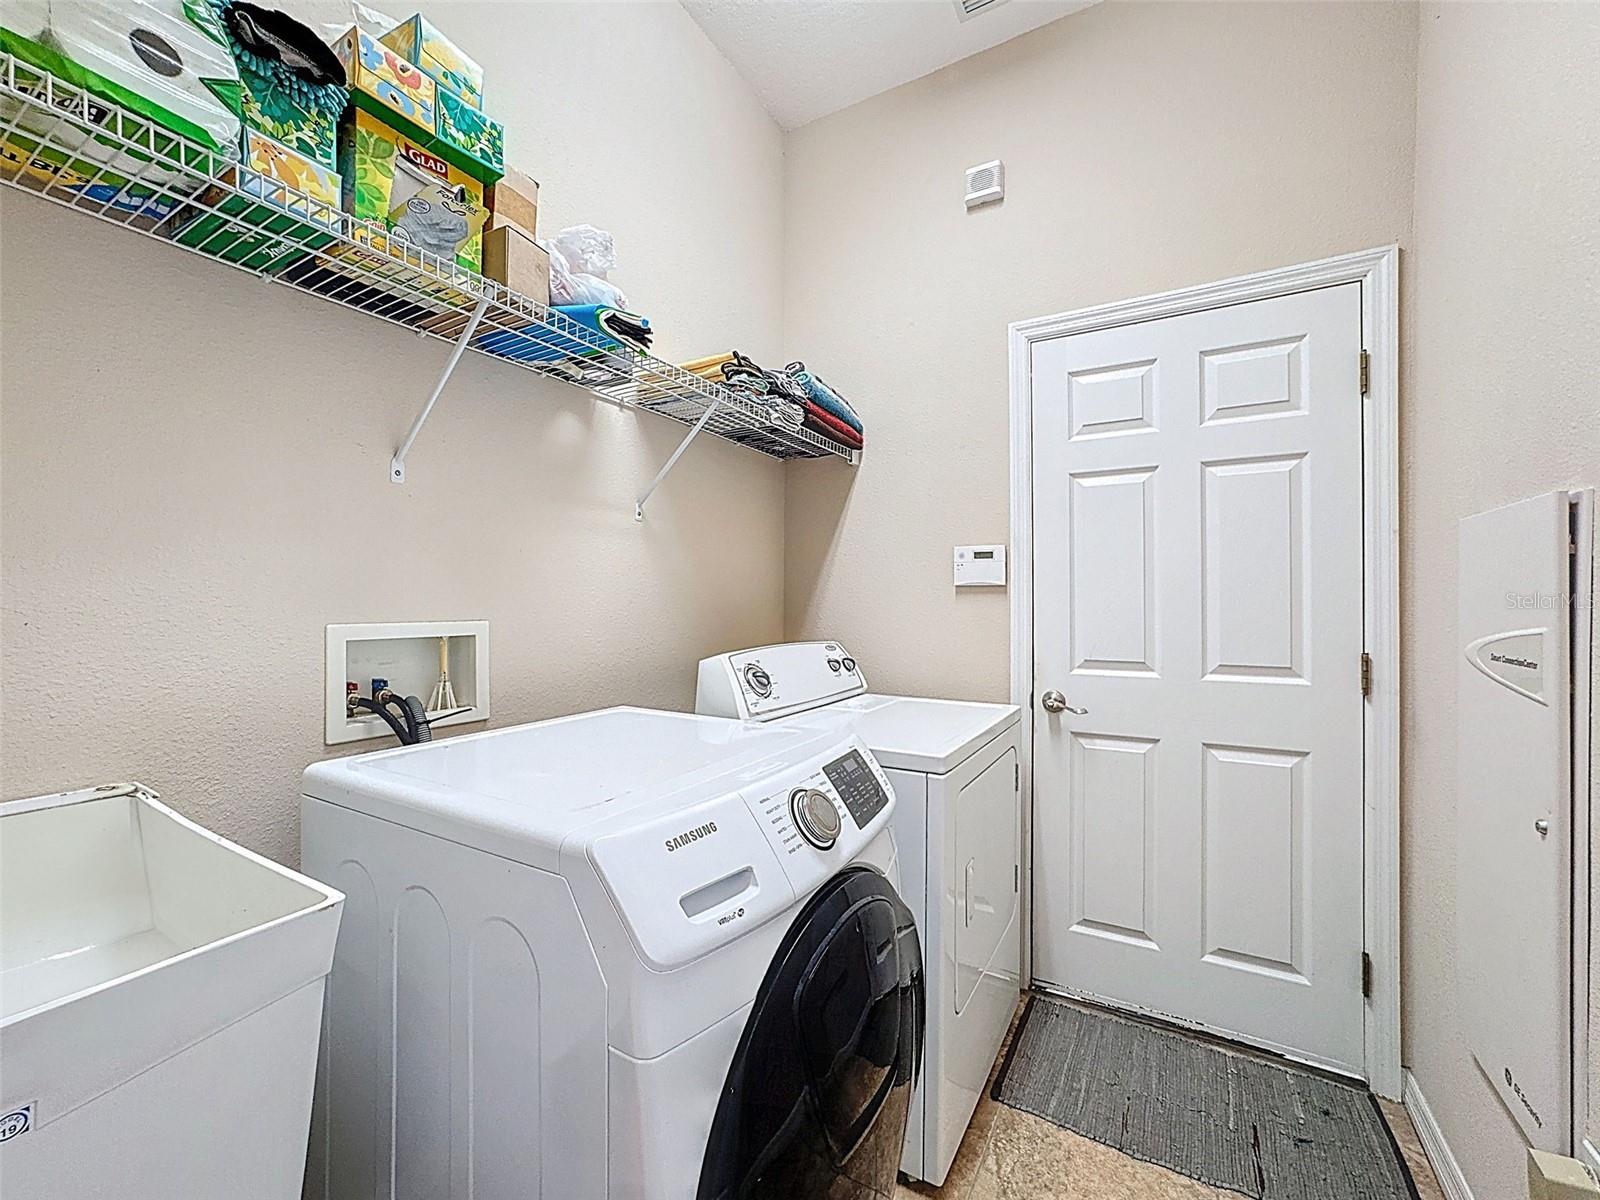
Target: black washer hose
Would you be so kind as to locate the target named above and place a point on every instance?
(416, 719)
(413, 729)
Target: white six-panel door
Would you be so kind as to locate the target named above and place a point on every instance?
(1197, 515)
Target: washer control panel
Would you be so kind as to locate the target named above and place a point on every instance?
(858, 787)
(702, 867)
(815, 817)
(814, 824)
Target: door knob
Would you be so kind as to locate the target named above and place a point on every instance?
(1054, 702)
(1542, 827)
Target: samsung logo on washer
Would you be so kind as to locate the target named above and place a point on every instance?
(679, 841)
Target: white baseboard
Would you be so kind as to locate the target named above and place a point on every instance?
(1444, 1162)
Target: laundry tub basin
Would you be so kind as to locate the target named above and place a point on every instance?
(160, 1005)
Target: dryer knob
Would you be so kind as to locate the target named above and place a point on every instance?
(758, 681)
(815, 817)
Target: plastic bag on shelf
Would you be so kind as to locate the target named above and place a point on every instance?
(588, 251)
(569, 286)
(369, 20)
(166, 60)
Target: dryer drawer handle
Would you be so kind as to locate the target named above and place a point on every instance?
(966, 887)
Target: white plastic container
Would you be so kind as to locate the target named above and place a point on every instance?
(160, 1005)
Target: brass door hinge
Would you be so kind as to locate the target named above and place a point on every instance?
(1366, 673)
(1366, 975)
(1366, 372)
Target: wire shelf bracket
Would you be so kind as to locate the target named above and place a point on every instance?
(397, 464)
(672, 461)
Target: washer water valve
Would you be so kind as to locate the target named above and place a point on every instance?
(411, 725)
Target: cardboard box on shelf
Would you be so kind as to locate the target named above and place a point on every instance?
(419, 42)
(400, 95)
(400, 182)
(143, 202)
(305, 125)
(517, 261)
(274, 160)
(385, 84)
(514, 200)
(279, 230)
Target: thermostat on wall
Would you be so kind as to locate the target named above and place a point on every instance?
(980, 566)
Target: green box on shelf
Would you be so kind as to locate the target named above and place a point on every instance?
(282, 228)
(473, 132)
(308, 131)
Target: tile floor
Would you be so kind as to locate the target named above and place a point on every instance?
(1012, 1155)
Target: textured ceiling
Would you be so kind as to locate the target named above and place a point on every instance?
(808, 58)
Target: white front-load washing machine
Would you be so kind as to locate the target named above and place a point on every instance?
(621, 954)
(955, 769)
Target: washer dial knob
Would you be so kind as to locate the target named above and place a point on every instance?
(815, 817)
(758, 681)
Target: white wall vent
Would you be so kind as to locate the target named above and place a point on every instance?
(986, 183)
(967, 9)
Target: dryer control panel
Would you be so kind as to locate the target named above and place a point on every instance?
(767, 682)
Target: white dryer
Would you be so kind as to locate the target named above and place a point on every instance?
(954, 767)
(620, 954)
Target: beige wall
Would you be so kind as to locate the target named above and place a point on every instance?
(194, 463)
(1505, 288)
(192, 474)
(1147, 146)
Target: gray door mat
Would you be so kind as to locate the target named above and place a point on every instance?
(1268, 1130)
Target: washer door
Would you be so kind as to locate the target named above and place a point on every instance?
(816, 1100)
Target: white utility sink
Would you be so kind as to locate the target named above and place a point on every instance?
(160, 1004)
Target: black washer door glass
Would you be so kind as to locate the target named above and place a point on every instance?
(816, 1100)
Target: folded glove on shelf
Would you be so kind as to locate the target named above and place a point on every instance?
(745, 377)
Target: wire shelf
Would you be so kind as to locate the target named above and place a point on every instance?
(59, 142)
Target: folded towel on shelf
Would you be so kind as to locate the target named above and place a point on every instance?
(549, 343)
(709, 367)
(823, 396)
(824, 422)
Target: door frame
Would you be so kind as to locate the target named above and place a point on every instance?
(1377, 271)
(1585, 818)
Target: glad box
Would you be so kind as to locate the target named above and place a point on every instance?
(398, 182)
